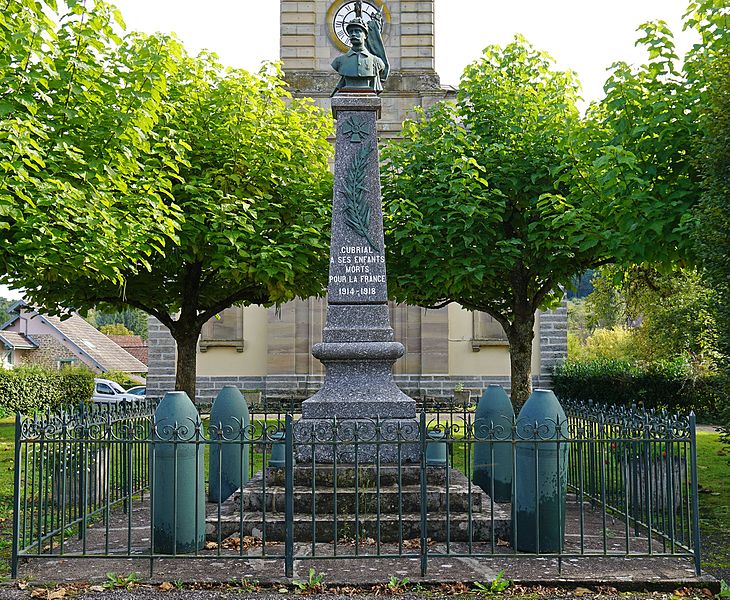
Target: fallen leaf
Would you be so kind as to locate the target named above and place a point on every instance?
(22, 585)
(211, 545)
(166, 586)
(39, 593)
(96, 588)
(501, 542)
(56, 594)
(580, 591)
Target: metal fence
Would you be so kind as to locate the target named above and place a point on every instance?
(346, 489)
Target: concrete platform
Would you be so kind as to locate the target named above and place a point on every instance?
(222, 564)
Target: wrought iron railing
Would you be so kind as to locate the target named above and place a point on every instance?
(345, 489)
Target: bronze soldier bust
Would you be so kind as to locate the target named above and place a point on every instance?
(365, 66)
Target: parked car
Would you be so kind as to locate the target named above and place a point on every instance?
(138, 390)
(106, 390)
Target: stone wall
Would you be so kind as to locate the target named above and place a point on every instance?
(162, 353)
(553, 341)
(48, 354)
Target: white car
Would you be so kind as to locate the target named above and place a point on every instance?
(106, 390)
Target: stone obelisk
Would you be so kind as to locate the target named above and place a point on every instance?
(358, 350)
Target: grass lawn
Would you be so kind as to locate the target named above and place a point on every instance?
(714, 475)
(7, 438)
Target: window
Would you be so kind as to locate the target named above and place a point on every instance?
(224, 330)
(67, 362)
(486, 331)
(103, 388)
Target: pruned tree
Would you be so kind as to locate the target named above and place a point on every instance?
(480, 203)
(223, 176)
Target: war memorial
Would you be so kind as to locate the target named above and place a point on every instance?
(363, 475)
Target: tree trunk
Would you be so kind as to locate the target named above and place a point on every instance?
(187, 365)
(520, 335)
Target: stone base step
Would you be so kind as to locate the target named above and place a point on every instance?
(407, 499)
(455, 493)
(262, 503)
(388, 528)
(324, 475)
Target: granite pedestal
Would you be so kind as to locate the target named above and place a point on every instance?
(359, 400)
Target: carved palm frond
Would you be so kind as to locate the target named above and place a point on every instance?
(357, 207)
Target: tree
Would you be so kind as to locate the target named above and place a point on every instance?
(5, 304)
(642, 179)
(133, 319)
(669, 314)
(713, 212)
(252, 191)
(479, 202)
(115, 329)
(84, 177)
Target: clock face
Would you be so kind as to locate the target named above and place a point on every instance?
(343, 12)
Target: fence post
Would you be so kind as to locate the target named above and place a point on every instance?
(696, 541)
(289, 497)
(424, 504)
(16, 499)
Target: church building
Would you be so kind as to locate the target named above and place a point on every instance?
(256, 348)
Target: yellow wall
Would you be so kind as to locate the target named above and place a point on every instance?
(490, 360)
(223, 362)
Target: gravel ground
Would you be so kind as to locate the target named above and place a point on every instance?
(168, 592)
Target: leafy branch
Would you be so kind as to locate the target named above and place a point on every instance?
(357, 207)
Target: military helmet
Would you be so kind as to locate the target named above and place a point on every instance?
(356, 22)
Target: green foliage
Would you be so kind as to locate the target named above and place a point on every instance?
(581, 285)
(27, 389)
(672, 314)
(222, 163)
(397, 585)
(604, 344)
(313, 584)
(578, 317)
(115, 329)
(121, 582)
(4, 306)
(670, 385)
(497, 586)
(724, 589)
(477, 197)
(123, 379)
(83, 191)
(713, 212)
(132, 318)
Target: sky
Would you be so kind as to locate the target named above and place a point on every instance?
(583, 35)
(586, 36)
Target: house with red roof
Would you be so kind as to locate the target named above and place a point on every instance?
(30, 337)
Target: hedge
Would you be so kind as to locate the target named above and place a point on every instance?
(27, 389)
(662, 385)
